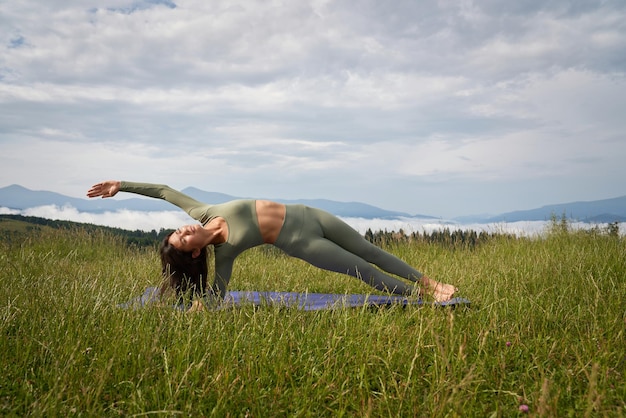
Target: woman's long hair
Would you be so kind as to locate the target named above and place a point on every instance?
(184, 274)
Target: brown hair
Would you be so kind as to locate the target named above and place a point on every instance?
(181, 271)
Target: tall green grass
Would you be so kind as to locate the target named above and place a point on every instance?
(546, 329)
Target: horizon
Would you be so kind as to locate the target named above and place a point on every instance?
(124, 196)
(137, 220)
(429, 107)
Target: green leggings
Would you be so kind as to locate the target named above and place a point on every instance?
(327, 242)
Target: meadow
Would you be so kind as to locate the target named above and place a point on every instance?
(545, 331)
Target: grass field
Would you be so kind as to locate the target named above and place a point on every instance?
(546, 330)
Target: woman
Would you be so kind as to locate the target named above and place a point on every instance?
(310, 234)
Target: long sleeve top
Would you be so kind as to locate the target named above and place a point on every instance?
(240, 216)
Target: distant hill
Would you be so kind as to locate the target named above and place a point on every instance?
(345, 209)
(15, 226)
(597, 211)
(18, 197)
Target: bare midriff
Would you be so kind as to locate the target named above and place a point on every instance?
(270, 216)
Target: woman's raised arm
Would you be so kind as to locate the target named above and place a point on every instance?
(109, 188)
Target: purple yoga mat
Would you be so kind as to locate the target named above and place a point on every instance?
(305, 301)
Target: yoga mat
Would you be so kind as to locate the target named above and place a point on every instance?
(305, 301)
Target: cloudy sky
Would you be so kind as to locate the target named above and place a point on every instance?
(442, 108)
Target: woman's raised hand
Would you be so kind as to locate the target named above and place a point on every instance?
(104, 189)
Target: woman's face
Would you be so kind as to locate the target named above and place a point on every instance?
(187, 238)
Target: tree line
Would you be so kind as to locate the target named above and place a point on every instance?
(447, 237)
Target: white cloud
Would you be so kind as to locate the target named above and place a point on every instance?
(126, 219)
(7, 211)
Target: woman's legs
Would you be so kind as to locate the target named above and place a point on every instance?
(342, 234)
(327, 242)
(327, 255)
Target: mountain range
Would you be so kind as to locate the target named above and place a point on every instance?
(598, 211)
(18, 197)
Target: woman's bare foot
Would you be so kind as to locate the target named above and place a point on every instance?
(440, 292)
(196, 306)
